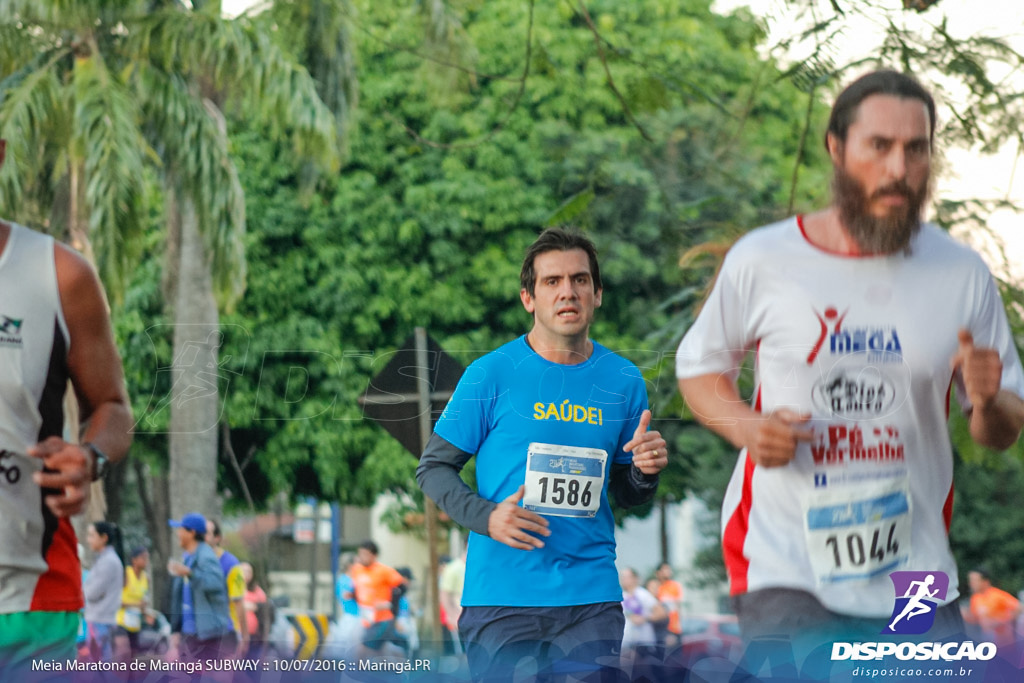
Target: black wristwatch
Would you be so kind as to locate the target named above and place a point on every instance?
(100, 461)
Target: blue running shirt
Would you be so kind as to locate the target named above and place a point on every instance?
(512, 398)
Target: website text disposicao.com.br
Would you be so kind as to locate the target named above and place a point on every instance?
(909, 672)
(951, 660)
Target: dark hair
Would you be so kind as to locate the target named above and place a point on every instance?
(885, 82)
(216, 526)
(557, 239)
(138, 550)
(113, 534)
(983, 572)
(371, 546)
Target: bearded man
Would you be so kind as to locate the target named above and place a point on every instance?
(862, 319)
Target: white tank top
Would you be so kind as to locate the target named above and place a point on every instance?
(39, 568)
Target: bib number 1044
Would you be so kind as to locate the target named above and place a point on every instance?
(858, 537)
(855, 549)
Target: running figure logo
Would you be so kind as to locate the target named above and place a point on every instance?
(830, 317)
(917, 596)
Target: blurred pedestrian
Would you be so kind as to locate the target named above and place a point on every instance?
(641, 609)
(344, 587)
(230, 565)
(134, 597)
(257, 620)
(200, 623)
(670, 593)
(347, 631)
(994, 610)
(452, 579)
(103, 588)
(640, 649)
(661, 623)
(375, 584)
(405, 616)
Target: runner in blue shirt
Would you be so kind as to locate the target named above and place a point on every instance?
(555, 421)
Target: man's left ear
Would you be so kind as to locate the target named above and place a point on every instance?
(597, 297)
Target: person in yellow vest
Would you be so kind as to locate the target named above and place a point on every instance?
(232, 569)
(134, 596)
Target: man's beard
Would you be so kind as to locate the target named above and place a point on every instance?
(874, 235)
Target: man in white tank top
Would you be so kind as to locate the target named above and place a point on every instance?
(862, 320)
(54, 327)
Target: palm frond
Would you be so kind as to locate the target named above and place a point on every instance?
(236, 59)
(107, 140)
(18, 47)
(30, 107)
(317, 34)
(193, 143)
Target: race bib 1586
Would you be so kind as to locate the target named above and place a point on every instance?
(564, 480)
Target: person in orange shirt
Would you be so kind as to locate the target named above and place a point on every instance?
(994, 610)
(670, 594)
(377, 588)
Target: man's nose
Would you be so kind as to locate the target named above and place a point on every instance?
(896, 163)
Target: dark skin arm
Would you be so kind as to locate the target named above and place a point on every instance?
(96, 374)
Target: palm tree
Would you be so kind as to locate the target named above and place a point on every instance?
(96, 92)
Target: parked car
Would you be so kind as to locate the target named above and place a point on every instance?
(711, 635)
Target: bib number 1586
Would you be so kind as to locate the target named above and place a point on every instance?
(565, 491)
(565, 481)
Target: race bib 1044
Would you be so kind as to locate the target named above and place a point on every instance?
(858, 535)
(564, 481)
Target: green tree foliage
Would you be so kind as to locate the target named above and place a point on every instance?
(644, 123)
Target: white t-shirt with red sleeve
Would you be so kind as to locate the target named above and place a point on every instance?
(862, 344)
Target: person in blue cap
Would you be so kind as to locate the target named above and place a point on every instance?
(200, 621)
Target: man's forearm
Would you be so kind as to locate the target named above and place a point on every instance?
(716, 403)
(438, 477)
(998, 425)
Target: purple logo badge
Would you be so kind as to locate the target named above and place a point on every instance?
(917, 596)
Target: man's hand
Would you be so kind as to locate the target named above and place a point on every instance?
(176, 568)
(510, 524)
(71, 474)
(650, 454)
(772, 441)
(981, 369)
